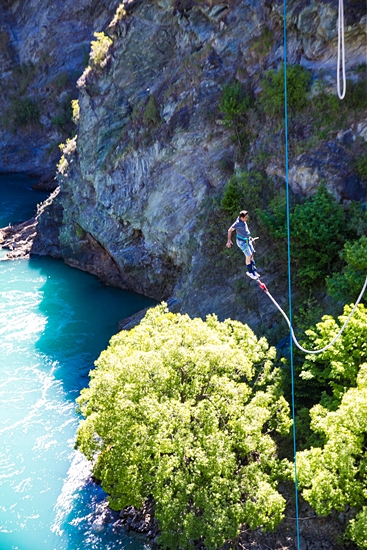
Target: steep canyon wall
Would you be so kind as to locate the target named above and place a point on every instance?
(139, 182)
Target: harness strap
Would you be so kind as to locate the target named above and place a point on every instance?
(242, 238)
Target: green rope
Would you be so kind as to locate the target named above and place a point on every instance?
(289, 266)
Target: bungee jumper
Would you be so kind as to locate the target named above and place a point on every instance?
(244, 242)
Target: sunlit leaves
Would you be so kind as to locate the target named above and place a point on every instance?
(335, 475)
(357, 528)
(185, 411)
(338, 366)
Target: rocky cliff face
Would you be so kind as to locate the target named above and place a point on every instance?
(151, 152)
(43, 50)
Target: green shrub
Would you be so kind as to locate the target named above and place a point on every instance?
(185, 411)
(361, 165)
(272, 96)
(234, 106)
(27, 112)
(67, 149)
(151, 115)
(332, 474)
(274, 218)
(63, 119)
(356, 98)
(347, 285)
(99, 49)
(357, 220)
(357, 528)
(120, 15)
(263, 44)
(243, 191)
(22, 112)
(234, 103)
(24, 75)
(326, 108)
(318, 233)
(336, 369)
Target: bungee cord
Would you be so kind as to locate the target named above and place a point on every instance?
(263, 287)
(341, 52)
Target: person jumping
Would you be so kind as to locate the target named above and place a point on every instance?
(243, 241)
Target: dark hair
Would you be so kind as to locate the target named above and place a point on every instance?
(243, 213)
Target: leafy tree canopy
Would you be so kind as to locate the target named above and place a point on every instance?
(337, 368)
(272, 96)
(185, 411)
(334, 475)
(348, 284)
(318, 231)
(243, 188)
(234, 103)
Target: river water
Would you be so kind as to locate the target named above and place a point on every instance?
(54, 322)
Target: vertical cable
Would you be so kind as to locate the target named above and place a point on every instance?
(289, 265)
(341, 51)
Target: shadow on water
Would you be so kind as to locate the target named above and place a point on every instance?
(17, 198)
(81, 316)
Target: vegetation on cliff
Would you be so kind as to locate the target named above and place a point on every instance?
(328, 252)
(332, 470)
(187, 411)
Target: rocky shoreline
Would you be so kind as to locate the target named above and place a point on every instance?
(18, 239)
(316, 532)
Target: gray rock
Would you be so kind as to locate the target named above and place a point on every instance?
(135, 190)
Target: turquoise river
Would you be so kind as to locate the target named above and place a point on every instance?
(54, 322)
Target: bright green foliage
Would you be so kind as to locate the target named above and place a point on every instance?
(357, 528)
(272, 97)
(337, 367)
(348, 284)
(120, 15)
(317, 235)
(334, 475)
(99, 49)
(184, 410)
(243, 191)
(75, 110)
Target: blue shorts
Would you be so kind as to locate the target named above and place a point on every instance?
(245, 246)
